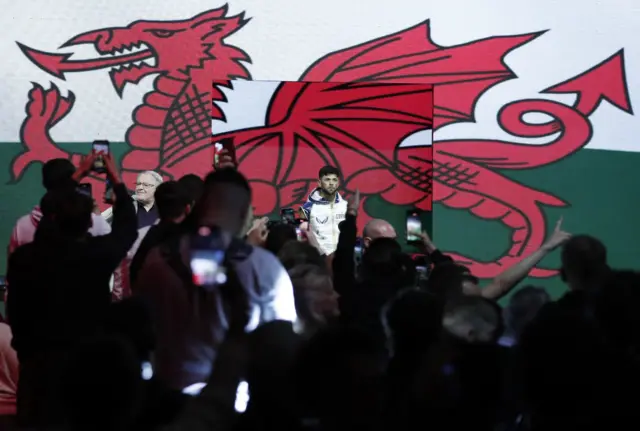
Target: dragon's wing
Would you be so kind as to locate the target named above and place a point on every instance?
(354, 126)
(462, 73)
(354, 107)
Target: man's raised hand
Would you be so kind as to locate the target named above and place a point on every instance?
(85, 166)
(110, 168)
(354, 203)
(557, 238)
(225, 160)
(258, 233)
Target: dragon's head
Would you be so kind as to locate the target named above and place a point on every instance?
(173, 48)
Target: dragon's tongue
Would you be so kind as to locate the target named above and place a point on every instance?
(59, 64)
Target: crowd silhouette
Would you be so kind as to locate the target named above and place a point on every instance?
(110, 327)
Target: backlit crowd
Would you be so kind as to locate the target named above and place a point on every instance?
(178, 309)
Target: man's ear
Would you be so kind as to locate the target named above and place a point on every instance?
(319, 183)
(366, 241)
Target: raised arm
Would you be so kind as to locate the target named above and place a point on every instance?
(429, 248)
(344, 266)
(507, 280)
(124, 228)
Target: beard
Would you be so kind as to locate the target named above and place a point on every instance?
(328, 191)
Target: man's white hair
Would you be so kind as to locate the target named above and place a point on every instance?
(156, 176)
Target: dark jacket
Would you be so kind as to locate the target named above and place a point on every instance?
(60, 287)
(362, 299)
(156, 235)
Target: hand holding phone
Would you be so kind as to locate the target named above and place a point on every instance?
(414, 226)
(108, 193)
(84, 167)
(358, 249)
(207, 259)
(217, 148)
(259, 231)
(85, 189)
(224, 154)
(288, 215)
(100, 149)
(206, 266)
(111, 170)
(422, 264)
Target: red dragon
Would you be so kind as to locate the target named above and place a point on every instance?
(365, 101)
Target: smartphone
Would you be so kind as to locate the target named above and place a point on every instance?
(359, 246)
(108, 193)
(85, 189)
(288, 215)
(207, 259)
(242, 397)
(217, 147)
(206, 267)
(357, 250)
(414, 226)
(227, 145)
(103, 148)
(422, 271)
(299, 234)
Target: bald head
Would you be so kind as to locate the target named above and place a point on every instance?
(377, 228)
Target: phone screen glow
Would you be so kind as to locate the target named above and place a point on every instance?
(288, 215)
(98, 164)
(205, 267)
(101, 148)
(414, 227)
(85, 189)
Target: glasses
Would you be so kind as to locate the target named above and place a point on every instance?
(145, 185)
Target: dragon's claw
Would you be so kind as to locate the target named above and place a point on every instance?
(44, 110)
